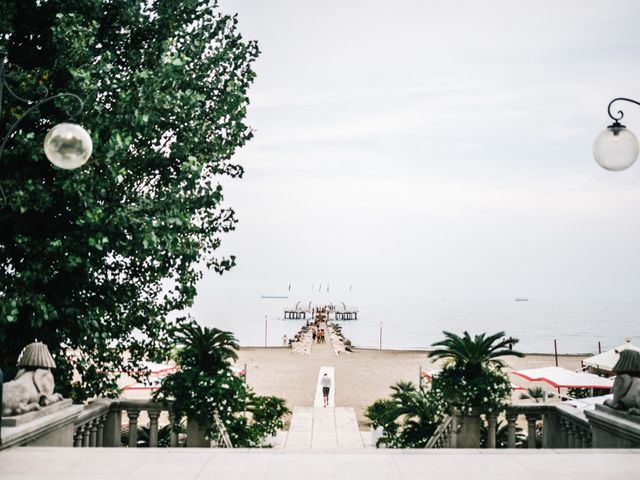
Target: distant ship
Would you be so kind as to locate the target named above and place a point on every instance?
(522, 299)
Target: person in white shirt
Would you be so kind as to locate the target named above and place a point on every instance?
(325, 383)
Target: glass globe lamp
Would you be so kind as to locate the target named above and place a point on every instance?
(615, 148)
(68, 146)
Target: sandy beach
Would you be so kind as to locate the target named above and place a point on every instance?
(360, 377)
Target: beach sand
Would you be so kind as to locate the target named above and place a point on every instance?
(361, 377)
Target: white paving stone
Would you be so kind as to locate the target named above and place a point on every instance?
(323, 428)
(35, 463)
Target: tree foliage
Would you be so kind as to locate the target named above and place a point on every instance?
(408, 418)
(533, 393)
(472, 379)
(472, 354)
(93, 261)
(205, 384)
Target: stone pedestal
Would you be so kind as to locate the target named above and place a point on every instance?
(466, 429)
(52, 430)
(24, 418)
(613, 428)
(196, 436)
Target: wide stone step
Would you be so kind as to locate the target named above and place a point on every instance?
(324, 428)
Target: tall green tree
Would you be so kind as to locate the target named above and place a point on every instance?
(93, 261)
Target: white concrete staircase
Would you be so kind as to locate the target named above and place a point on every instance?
(324, 428)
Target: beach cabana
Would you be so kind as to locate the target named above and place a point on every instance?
(606, 360)
(562, 378)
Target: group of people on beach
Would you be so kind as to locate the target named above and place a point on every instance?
(318, 335)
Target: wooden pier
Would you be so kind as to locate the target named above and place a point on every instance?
(329, 312)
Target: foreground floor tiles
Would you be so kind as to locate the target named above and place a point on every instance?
(122, 463)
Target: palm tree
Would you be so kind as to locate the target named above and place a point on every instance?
(409, 417)
(471, 354)
(418, 411)
(206, 349)
(533, 393)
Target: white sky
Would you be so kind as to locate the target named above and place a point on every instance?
(437, 146)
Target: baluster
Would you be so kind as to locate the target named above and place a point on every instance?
(511, 429)
(173, 443)
(571, 434)
(77, 438)
(587, 439)
(531, 433)
(86, 433)
(133, 413)
(564, 427)
(491, 433)
(580, 434)
(153, 426)
(93, 432)
(100, 436)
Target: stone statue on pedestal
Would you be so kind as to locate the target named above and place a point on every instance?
(626, 387)
(33, 386)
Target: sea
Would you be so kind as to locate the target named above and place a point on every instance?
(393, 322)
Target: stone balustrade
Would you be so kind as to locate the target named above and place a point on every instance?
(100, 423)
(558, 426)
(563, 426)
(103, 423)
(88, 428)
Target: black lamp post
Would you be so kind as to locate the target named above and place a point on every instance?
(67, 145)
(616, 148)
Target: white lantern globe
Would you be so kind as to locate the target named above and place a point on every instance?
(68, 146)
(615, 148)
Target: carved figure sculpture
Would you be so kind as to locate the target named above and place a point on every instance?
(626, 387)
(33, 386)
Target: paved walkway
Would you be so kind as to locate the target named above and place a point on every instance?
(323, 428)
(34, 463)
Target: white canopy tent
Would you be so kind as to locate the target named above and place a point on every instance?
(606, 360)
(562, 378)
(588, 403)
(157, 371)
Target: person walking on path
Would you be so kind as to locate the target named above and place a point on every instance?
(325, 383)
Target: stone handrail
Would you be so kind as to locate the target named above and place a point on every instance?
(441, 438)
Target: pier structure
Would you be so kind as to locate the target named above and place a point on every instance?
(298, 312)
(302, 311)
